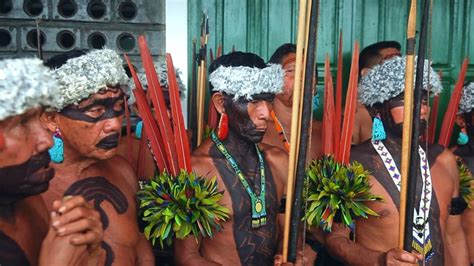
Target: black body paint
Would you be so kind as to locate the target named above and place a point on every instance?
(254, 246)
(30, 178)
(109, 142)
(75, 113)
(368, 157)
(99, 189)
(11, 253)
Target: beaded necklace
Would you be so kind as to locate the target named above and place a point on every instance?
(281, 131)
(259, 213)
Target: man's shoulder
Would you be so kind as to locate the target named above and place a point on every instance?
(439, 154)
(364, 148)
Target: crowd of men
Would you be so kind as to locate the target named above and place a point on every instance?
(68, 198)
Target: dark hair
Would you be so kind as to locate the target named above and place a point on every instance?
(281, 52)
(58, 60)
(370, 56)
(236, 59)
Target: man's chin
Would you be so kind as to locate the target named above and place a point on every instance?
(104, 154)
(256, 137)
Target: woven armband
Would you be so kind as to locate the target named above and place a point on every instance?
(458, 205)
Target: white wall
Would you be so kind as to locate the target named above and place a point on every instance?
(176, 37)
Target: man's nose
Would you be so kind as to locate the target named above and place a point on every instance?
(424, 109)
(43, 138)
(264, 110)
(113, 124)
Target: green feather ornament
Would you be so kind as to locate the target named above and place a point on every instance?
(181, 206)
(337, 193)
(466, 183)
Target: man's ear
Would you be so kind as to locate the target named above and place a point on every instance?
(364, 71)
(218, 101)
(48, 119)
(373, 111)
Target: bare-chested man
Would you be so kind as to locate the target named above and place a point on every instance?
(465, 150)
(369, 57)
(243, 88)
(437, 184)
(279, 123)
(89, 123)
(30, 235)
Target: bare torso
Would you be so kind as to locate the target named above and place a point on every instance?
(238, 243)
(380, 233)
(109, 186)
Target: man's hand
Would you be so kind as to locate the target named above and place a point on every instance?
(397, 256)
(301, 260)
(74, 216)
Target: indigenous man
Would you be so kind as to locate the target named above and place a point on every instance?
(465, 150)
(87, 131)
(253, 177)
(436, 233)
(371, 56)
(279, 123)
(27, 235)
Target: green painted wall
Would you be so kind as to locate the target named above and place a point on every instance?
(260, 26)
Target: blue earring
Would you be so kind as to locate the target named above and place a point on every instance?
(315, 102)
(138, 129)
(378, 131)
(463, 138)
(57, 151)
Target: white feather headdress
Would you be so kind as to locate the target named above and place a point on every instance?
(25, 84)
(242, 81)
(467, 99)
(387, 80)
(85, 75)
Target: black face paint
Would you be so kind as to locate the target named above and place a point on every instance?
(109, 142)
(30, 178)
(79, 114)
(241, 122)
(397, 128)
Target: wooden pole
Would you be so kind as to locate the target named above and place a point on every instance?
(295, 123)
(305, 128)
(192, 101)
(407, 119)
(414, 163)
(201, 94)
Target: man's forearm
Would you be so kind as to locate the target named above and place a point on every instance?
(186, 252)
(351, 253)
(145, 252)
(194, 259)
(456, 245)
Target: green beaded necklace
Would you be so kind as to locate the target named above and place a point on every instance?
(259, 213)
